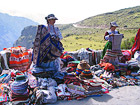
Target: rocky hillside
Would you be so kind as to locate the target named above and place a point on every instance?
(10, 29)
(126, 18)
(27, 37)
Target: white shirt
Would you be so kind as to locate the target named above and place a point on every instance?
(54, 31)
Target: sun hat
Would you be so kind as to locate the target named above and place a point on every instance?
(114, 24)
(51, 16)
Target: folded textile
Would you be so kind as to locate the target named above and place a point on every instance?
(46, 96)
(19, 59)
(76, 89)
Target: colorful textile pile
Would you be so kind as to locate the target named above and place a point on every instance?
(66, 58)
(72, 65)
(19, 88)
(126, 56)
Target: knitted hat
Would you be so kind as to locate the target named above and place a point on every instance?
(20, 85)
(86, 74)
(83, 65)
(78, 71)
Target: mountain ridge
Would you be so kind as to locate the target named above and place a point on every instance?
(11, 27)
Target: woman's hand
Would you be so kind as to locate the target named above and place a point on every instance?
(111, 35)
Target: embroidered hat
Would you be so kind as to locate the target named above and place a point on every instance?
(86, 74)
(114, 24)
(51, 16)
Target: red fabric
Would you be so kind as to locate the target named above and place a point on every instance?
(126, 55)
(106, 34)
(107, 66)
(136, 45)
(63, 54)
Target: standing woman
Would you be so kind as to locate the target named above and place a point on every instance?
(47, 48)
(109, 36)
(56, 34)
(54, 31)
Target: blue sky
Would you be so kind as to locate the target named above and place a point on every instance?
(67, 11)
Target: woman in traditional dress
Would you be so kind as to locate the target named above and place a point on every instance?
(109, 36)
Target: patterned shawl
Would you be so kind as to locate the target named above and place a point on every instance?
(45, 47)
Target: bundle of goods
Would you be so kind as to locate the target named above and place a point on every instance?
(113, 57)
(126, 56)
(19, 89)
(133, 66)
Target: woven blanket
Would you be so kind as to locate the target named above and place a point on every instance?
(19, 59)
(45, 48)
(116, 44)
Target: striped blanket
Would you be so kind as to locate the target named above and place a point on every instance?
(19, 59)
(45, 48)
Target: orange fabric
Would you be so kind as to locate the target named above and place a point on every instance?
(19, 59)
(107, 66)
